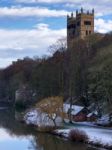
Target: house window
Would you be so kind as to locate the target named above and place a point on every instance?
(86, 32)
(89, 32)
(87, 23)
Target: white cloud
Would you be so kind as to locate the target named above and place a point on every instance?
(47, 1)
(31, 11)
(29, 42)
(37, 38)
(102, 7)
(40, 1)
(103, 26)
(20, 43)
(5, 62)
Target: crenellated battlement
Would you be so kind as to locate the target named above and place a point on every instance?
(81, 12)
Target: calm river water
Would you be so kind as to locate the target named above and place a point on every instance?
(17, 136)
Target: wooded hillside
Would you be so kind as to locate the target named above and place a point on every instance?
(83, 71)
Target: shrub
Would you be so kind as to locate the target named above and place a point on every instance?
(78, 135)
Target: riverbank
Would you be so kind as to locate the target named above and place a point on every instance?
(101, 137)
(93, 139)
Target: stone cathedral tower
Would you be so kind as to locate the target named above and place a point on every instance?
(80, 26)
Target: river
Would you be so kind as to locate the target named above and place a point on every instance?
(17, 136)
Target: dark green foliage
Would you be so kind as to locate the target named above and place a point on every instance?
(19, 106)
(100, 78)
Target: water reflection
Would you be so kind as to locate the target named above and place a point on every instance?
(15, 135)
(48, 142)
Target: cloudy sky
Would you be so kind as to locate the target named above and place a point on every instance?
(28, 27)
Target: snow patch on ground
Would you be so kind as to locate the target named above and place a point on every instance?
(75, 109)
(104, 120)
(35, 117)
(102, 136)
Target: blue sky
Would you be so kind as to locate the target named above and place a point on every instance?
(28, 27)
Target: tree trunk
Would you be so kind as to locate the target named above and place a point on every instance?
(54, 121)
